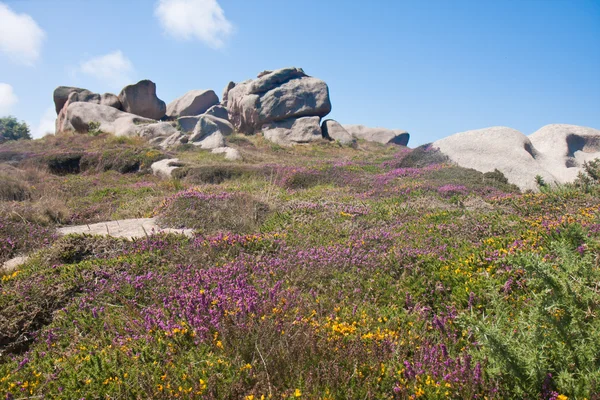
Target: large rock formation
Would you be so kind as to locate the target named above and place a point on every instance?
(566, 148)
(194, 102)
(333, 130)
(140, 99)
(278, 97)
(379, 135)
(499, 147)
(555, 152)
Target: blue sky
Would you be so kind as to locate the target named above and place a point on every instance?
(431, 67)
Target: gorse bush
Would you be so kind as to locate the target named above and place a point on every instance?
(554, 342)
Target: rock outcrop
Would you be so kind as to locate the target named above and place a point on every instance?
(333, 130)
(555, 152)
(140, 99)
(218, 111)
(285, 105)
(566, 148)
(188, 124)
(166, 167)
(194, 102)
(293, 131)
(81, 117)
(230, 153)
(379, 135)
(499, 147)
(225, 95)
(66, 94)
(285, 94)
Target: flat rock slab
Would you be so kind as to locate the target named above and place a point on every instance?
(13, 263)
(124, 228)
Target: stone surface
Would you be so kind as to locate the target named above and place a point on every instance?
(125, 228)
(230, 153)
(218, 111)
(79, 116)
(188, 124)
(166, 167)
(379, 135)
(293, 131)
(194, 102)
(225, 95)
(158, 129)
(85, 96)
(61, 95)
(140, 99)
(13, 264)
(333, 130)
(174, 140)
(277, 96)
(502, 148)
(565, 148)
(209, 142)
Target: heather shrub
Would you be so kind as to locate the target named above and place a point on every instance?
(206, 212)
(19, 237)
(292, 177)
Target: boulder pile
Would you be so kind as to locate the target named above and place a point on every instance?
(285, 105)
(555, 152)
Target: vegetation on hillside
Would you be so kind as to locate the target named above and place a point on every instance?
(12, 129)
(316, 272)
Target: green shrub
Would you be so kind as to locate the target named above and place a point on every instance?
(496, 175)
(589, 178)
(553, 341)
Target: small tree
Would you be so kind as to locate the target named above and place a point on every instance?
(11, 129)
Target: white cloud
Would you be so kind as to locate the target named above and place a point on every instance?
(113, 69)
(8, 98)
(46, 124)
(194, 19)
(20, 36)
